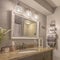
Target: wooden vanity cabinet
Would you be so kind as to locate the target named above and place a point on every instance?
(33, 57)
(47, 55)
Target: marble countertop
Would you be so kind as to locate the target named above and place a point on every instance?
(17, 54)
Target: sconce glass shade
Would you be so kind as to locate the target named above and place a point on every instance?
(28, 13)
(36, 16)
(19, 9)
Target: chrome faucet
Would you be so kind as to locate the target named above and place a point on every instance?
(23, 46)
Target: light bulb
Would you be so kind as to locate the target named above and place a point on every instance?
(36, 16)
(19, 9)
(29, 13)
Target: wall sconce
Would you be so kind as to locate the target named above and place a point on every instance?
(36, 16)
(28, 13)
(19, 9)
(25, 12)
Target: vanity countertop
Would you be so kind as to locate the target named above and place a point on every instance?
(16, 54)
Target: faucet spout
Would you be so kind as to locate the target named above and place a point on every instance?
(23, 45)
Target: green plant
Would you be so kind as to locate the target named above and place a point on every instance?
(3, 32)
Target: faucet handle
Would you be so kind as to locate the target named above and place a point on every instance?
(23, 46)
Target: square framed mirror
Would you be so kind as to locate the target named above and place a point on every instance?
(23, 28)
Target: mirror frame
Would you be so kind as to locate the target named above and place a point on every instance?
(12, 26)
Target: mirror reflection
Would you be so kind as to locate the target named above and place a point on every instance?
(24, 27)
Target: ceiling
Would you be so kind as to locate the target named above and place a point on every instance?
(42, 7)
(51, 3)
(45, 7)
(57, 2)
(54, 3)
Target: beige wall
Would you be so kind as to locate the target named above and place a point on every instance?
(56, 17)
(5, 19)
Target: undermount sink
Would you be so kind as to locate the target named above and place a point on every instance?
(28, 51)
